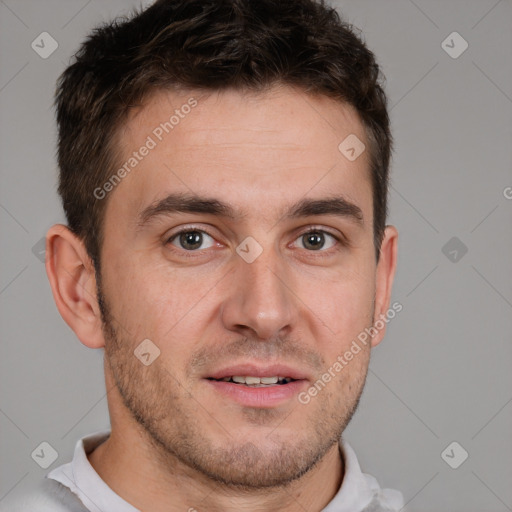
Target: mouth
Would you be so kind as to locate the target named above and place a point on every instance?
(256, 382)
(256, 386)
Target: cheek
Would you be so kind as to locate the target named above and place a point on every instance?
(344, 305)
(160, 303)
(140, 299)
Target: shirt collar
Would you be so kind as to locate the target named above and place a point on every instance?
(355, 493)
(81, 478)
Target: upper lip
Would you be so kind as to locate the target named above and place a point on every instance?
(252, 370)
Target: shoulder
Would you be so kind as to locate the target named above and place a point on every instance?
(47, 496)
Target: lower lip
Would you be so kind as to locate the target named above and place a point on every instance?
(262, 397)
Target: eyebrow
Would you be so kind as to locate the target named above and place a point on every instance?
(338, 206)
(189, 203)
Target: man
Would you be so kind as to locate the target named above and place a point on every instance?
(223, 169)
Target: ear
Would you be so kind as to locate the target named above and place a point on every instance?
(384, 281)
(71, 274)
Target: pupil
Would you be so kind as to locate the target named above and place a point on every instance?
(313, 241)
(191, 240)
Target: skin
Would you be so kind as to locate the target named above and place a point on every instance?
(176, 442)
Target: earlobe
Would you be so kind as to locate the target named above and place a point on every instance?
(384, 281)
(73, 282)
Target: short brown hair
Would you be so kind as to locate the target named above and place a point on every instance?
(207, 45)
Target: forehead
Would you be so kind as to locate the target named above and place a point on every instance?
(298, 118)
(251, 149)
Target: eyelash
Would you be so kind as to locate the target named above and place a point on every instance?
(341, 241)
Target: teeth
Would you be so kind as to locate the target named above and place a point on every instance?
(254, 381)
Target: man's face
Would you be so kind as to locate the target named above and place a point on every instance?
(215, 312)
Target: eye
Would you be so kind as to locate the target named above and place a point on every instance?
(316, 240)
(192, 240)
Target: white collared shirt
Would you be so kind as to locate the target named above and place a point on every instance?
(83, 490)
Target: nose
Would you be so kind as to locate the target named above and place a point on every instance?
(261, 302)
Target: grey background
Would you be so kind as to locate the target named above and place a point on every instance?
(442, 374)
